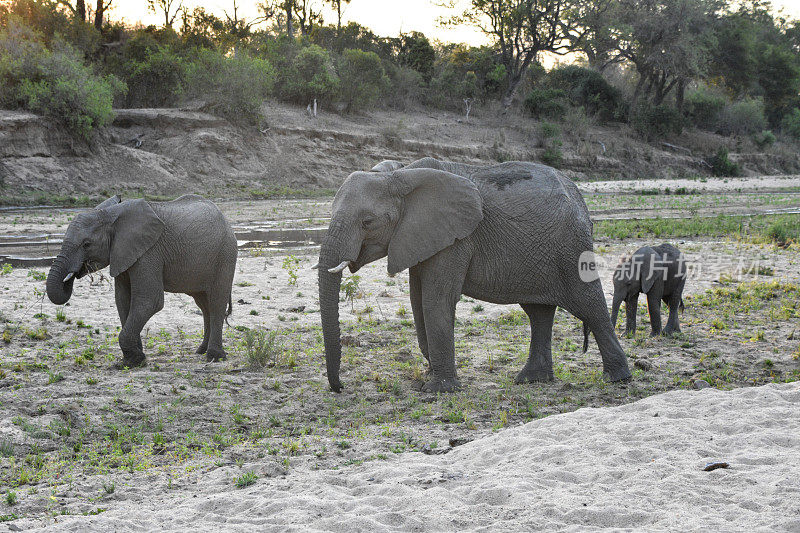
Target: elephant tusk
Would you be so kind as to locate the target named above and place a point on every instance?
(315, 267)
(339, 268)
(69, 277)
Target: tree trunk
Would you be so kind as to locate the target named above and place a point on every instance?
(98, 14)
(288, 7)
(679, 94)
(80, 10)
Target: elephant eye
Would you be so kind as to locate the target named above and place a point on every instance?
(86, 244)
(370, 223)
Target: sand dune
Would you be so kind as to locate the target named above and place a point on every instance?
(636, 467)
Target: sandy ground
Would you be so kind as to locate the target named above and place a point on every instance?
(635, 467)
(759, 183)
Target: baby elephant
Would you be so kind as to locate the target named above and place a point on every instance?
(658, 272)
(182, 246)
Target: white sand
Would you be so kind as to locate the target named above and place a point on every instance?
(636, 467)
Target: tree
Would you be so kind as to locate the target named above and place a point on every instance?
(415, 51)
(521, 29)
(306, 16)
(667, 41)
(78, 10)
(337, 4)
(99, 12)
(170, 9)
(280, 10)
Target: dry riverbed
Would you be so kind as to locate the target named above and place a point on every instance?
(78, 436)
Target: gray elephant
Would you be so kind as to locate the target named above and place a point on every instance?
(184, 246)
(507, 233)
(660, 273)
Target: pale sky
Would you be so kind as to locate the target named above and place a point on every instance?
(386, 18)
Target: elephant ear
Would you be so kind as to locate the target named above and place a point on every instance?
(438, 208)
(114, 200)
(650, 269)
(136, 228)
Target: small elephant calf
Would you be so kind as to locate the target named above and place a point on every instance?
(660, 273)
(184, 246)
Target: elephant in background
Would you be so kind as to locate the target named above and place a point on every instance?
(508, 233)
(184, 246)
(660, 273)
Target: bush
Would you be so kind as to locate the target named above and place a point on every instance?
(53, 83)
(553, 157)
(655, 122)
(451, 86)
(702, 108)
(406, 87)
(157, 80)
(722, 166)
(308, 76)
(233, 87)
(587, 88)
(764, 139)
(546, 103)
(744, 117)
(790, 125)
(361, 79)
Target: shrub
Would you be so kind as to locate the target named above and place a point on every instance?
(702, 108)
(54, 83)
(157, 80)
(262, 347)
(655, 122)
(553, 157)
(361, 79)
(764, 139)
(406, 87)
(308, 76)
(451, 86)
(790, 125)
(233, 87)
(744, 117)
(587, 88)
(546, 103)
(722, 166)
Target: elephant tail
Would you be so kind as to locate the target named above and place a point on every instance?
(585, 337)
(229, 311)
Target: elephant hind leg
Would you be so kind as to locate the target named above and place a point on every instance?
(539, 366)
(591, 308)
(217, 306)
(201, 299)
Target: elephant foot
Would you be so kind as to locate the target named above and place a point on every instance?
(530, 375)
(216, 355)
(441, 385)
(133, 359)
(202, 348)
(655, 333)
(618, 374)
(668, 331)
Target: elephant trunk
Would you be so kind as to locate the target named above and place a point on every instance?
(58, 290)
(329, 285)
(618, 297)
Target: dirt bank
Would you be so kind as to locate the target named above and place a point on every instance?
(168, 152)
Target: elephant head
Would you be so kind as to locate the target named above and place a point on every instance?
(635, 274)
(407, 215)
(114, 233)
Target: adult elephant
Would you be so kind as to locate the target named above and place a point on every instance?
(183, 246)
(508, 233)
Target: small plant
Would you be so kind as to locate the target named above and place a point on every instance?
(402, 311)
(37, 275)
(109, 487)
(61, 315)
(290, 265)
(11, 497)
(553, 157)
(254, 312)
(246, 479)
(722, 166)
(350, 288)
(244, 284)
(262, 346)
(764, 139)
(6, 269)
(54, 377)
(477, 308)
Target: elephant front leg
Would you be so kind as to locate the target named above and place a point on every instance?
(415, 290)
(439, 323)
(654, 308)
(144, 304)
(122, 298)
(631, 305)
(540, 359)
